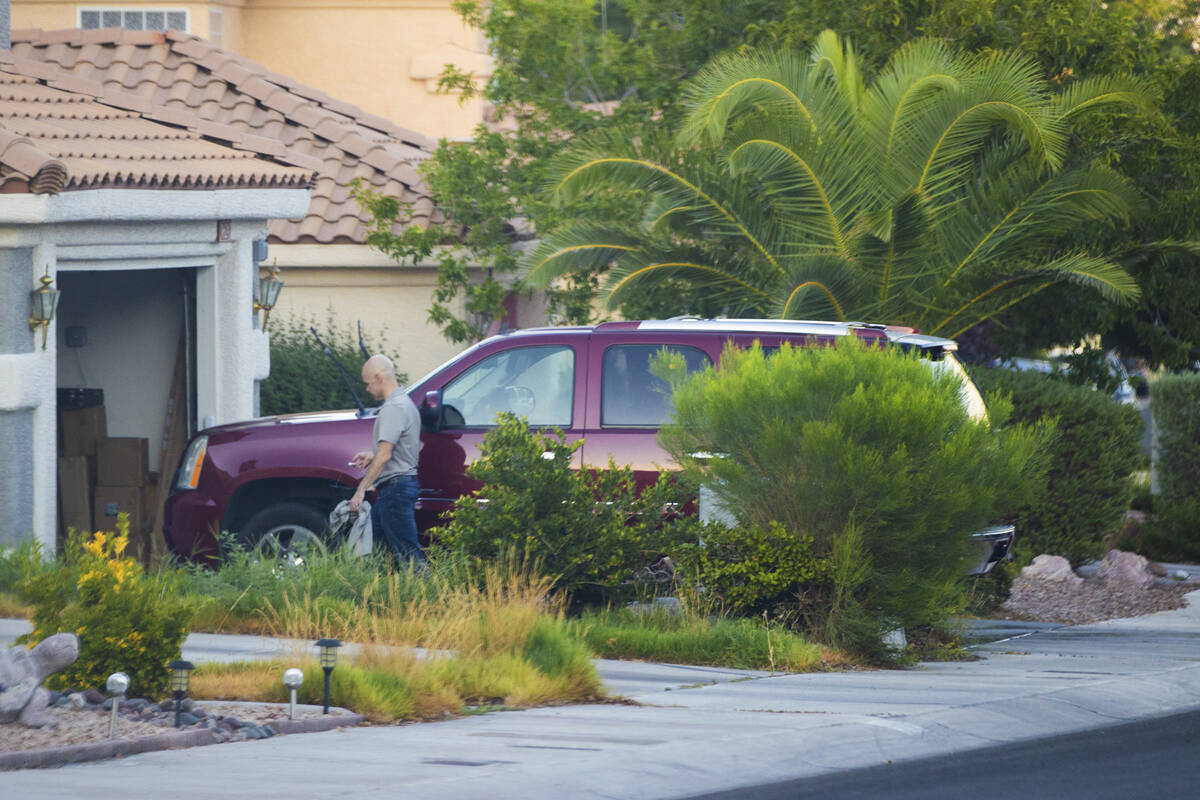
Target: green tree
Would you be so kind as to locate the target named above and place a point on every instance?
(932, 197)
(566, 67)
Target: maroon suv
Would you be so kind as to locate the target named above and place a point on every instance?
(274, 481)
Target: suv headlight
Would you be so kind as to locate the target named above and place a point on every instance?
(193, 461)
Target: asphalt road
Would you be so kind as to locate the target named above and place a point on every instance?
(1152, 758)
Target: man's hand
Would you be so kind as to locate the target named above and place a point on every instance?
(361, 460)
(356, 501)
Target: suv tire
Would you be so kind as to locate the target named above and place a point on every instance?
(288, 532)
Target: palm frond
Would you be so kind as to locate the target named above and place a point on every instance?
(1090, 94)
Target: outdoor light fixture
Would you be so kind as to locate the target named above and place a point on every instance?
(292, 678)
(328, 662)
(269, 287)
(117, 685)
(181, 672)
(45, 301)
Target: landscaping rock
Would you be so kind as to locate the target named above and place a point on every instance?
(187, 718)
(94, 697)
(22, 672)
(76, 700)
(1050, 569)
(1128, 569)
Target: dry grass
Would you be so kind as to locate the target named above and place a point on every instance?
(507, 634)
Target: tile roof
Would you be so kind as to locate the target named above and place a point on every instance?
(57, 136)
(218, 94)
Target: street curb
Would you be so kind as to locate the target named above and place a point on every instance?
(175, 740)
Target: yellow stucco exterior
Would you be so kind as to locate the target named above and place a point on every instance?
(382, 55)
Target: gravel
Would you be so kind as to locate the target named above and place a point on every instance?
(70, 726)
(1093, 600)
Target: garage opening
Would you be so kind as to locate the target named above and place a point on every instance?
(126, 396)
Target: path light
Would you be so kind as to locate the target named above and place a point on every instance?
(292, 678)
(118, 684)
(328, 662)
(181, 672)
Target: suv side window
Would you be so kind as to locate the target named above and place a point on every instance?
(537, 383)
(632, 397)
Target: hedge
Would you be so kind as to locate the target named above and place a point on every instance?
(1176, 406)
(1089, 484)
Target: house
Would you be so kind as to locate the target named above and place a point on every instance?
(382, 57)
(324, 262)
(144, 218)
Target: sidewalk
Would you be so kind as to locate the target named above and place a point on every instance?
(689, 735)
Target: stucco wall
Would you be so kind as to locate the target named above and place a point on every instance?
(366, 54)
(54, 14)
(391, 302)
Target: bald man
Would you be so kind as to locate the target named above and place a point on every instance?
(392, 467)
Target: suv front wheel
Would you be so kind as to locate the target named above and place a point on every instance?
(289, 533)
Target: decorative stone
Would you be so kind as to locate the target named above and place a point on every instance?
(187, 718)
(76, 700)
(22, 672)
(1051, 569)
(94, 697)
(1127, 569)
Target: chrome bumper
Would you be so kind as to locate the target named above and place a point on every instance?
(992, 544)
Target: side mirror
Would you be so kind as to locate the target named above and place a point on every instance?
(431, 411)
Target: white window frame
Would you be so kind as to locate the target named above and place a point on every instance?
(187, 15)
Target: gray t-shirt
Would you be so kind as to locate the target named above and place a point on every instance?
(398, 422)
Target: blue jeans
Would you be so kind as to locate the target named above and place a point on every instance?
(392, 518)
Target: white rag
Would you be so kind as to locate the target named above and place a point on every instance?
(356, 528)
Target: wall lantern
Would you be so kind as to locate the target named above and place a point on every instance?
(181, 672)
(269, 287)
(45, 301)
(329, 656)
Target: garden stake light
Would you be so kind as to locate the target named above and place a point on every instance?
(328, 662)
(292, 678)
(117, 685)
(181, 671)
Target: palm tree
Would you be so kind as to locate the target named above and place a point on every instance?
(936, 197)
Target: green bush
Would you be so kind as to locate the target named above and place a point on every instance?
(126, 621)
(751, 571)
(868, 454)
(592, 532)
(1176, 406)
(1091, 463)
(302, 376)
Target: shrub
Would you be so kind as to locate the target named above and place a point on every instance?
(748, 571)
(591, 531)
(1091, 463)
(125, 621)
(302, 376)
(869, 455)
(1176, 406)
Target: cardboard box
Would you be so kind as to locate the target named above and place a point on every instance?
(74, 485)
(122, 461)
(80, 522)
(82, 429)
(113, 500)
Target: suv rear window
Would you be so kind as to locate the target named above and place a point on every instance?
(632, 397)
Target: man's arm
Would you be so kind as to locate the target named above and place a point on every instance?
(383, 451)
